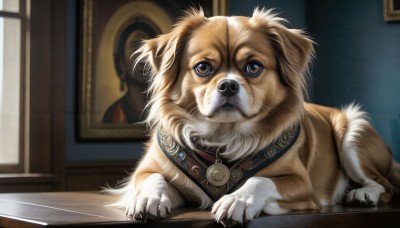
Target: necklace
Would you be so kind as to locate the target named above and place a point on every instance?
(217, 179)
(218, 174)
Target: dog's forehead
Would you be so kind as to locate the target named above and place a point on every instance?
(225, 33)
(236, 23)
(234, 26)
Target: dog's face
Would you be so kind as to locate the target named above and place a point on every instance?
(228, 69)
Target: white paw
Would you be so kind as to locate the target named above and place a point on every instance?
(232, 210)
(256, 195)
(365, 196)
(149, 207)
(154, 200)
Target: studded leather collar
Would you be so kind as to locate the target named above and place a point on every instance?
(188, 161)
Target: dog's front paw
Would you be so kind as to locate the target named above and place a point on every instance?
(153, 207)
(155, 200)
(233, 209)
(257, 195)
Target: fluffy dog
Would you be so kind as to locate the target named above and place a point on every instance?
(230, 129)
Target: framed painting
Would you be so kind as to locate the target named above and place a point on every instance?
(391, 10)
(112, 96)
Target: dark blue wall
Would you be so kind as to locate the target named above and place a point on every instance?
(293, 10)
(358, 59)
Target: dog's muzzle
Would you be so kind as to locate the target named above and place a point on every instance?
(228, 100)
(228, 87)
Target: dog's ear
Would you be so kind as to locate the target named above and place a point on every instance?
(162, 54)
(293, 49)
(162, 57)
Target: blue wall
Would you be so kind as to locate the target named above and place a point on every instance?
(293, 10)
(358, 59)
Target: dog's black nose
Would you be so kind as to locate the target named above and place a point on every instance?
(228, 87)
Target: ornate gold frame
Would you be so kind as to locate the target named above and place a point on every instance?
(390, 13)
(89, 127)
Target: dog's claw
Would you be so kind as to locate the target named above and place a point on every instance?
(145, 216)
(227, 221)
(158, 215)
(139, 216)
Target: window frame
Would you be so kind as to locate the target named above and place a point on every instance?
(48, 23)
(22, 15)
(43, 139)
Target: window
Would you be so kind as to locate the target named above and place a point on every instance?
(36, 161)
(12, 78)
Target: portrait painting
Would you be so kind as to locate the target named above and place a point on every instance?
(113, 93)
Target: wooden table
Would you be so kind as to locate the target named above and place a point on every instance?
(85, 209)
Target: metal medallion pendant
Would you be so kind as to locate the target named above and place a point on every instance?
(218, 174)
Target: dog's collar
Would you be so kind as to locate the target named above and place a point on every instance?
(207, 153)
(189, 163)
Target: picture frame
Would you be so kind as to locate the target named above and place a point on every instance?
(391, 10)
(111, 95)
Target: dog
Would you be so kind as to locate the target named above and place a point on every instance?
(230, 129)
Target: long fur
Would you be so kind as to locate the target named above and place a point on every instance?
(334, 146)
(163, 61)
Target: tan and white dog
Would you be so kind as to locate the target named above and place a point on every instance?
(233, 88)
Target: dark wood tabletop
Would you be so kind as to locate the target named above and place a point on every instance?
(85, 209)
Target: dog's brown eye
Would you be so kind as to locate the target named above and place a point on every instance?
(203, 69)
(253, 69)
